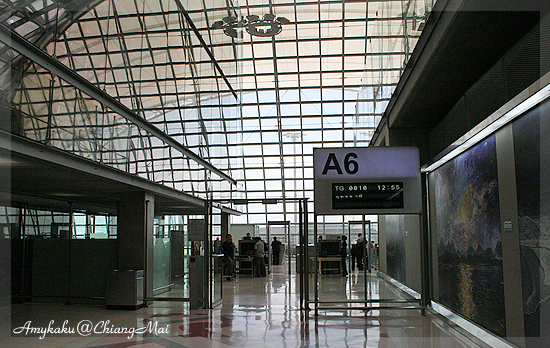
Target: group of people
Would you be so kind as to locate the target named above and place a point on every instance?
(258, 253)
(357, 253)
(228, 249)
(359, 250)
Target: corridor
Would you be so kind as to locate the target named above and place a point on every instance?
(256, 312)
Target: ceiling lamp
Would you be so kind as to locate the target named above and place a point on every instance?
(254, 25)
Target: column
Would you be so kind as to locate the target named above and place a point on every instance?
(135, 225)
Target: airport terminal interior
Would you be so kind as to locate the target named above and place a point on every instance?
(274, 173)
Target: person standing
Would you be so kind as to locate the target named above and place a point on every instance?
(228, 249)
(259, 258)
(276, 249)
(343, 255)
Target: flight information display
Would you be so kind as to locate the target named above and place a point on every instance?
(367, 180)
(369, 195)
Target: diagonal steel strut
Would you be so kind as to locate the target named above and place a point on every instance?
(15, 41)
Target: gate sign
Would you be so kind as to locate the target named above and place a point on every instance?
(367, 180)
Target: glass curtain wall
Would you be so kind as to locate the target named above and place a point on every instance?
(149, 59)
(323, 81)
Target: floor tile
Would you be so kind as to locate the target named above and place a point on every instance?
(256, 312)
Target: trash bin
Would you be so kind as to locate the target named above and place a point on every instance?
(124, 289)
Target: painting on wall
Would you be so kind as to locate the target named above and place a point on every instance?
(532, 158)
(395, 248)
(468, 236)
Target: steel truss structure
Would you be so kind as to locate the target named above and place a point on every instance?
(251, 108)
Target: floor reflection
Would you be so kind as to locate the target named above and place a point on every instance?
(256, 312)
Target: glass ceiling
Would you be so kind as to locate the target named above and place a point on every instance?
(256, 113)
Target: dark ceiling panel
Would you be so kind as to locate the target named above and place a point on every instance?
(47, 181)
(471, 45)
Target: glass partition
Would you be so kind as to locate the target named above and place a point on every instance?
(80, 246)
(162, 265)
(215, 256)
(171, 258)
(216, 278)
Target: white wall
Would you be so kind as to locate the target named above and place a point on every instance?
(239, 231)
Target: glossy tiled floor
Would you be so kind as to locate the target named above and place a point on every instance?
(256, 312)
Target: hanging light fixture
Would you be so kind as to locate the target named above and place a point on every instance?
(254, 25)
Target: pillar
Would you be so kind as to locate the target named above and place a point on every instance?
(135, 226)
(225, 224)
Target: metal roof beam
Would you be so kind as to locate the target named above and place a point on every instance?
(205, 47)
